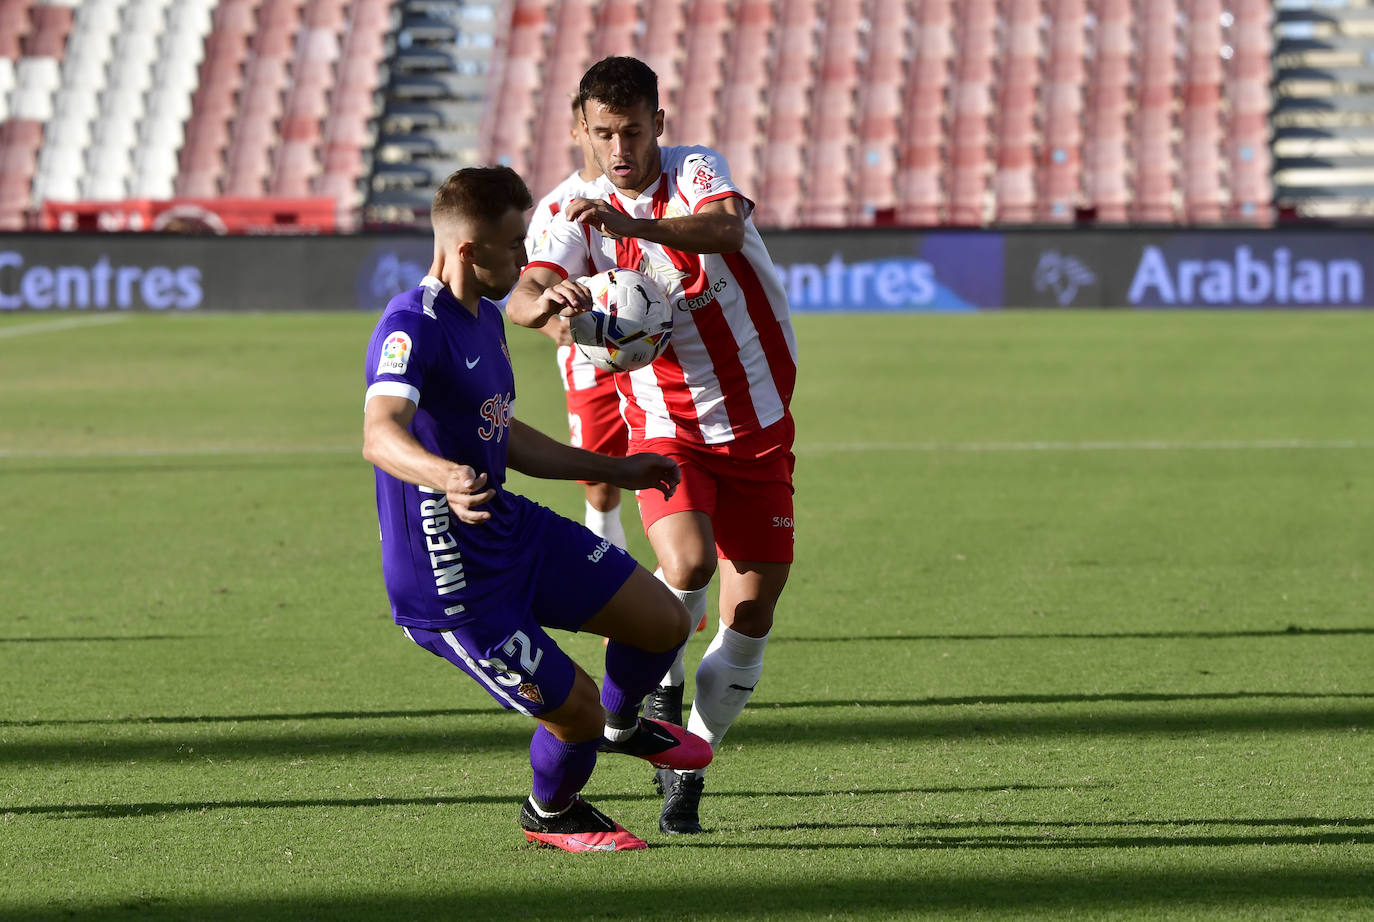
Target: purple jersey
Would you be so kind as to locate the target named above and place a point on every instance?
(430, 349)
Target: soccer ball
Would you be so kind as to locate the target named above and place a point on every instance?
(629, 324)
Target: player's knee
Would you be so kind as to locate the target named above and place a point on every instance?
(687, 573)
(603, 496)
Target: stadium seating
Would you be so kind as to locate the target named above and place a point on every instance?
(921, 112)
(110, 100)
(937, 111)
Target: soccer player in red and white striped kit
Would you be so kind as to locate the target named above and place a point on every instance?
(717, 401)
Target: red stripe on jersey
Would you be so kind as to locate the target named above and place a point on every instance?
(723, 349)
(780, 362)
(676, 397)
(553, 208)
(541, 264)
(567, 369)
(720, 196)
(629, 410)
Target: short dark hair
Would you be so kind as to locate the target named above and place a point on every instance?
(481, 194)
(619, 83)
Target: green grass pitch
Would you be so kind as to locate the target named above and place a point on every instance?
(1080, 628)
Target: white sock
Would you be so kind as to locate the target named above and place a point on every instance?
(618, 734)
(606, 524)
(725, 680)
(695, 600)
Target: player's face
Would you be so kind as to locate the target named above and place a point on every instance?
(625, 142)
(499, 255)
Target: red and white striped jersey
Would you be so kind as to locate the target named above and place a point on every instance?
(576, 369)
(731, 365)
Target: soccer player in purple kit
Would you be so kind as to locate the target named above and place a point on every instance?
(476, 573)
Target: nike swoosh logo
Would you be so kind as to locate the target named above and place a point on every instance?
(746, 687)
(603, 847)
(473, 364)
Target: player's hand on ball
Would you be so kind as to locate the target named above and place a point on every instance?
(599, 214)
(565, 299)
(465, 494)
(649, 471)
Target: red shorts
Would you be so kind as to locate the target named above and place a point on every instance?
(745, 487)
(594, 421)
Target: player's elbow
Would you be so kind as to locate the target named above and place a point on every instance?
(374, 442)
(732, 237)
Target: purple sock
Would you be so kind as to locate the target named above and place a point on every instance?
(631, 673)
(560, 769)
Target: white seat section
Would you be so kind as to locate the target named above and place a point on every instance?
(122, 102)
(155, 170)
(67, 131)
(115, 134)
(161, 133)
(37, 80)
(59, 174)
(169, 101)
(104, 187)
(77, 102)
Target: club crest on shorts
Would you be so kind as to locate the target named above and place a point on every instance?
(530, 692)
(396, 349)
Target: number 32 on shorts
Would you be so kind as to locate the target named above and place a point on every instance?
(520, 646)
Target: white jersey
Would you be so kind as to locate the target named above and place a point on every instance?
(577, 371)
(730, 367)
(574, 186)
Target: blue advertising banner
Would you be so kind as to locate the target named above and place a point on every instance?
(889, 271)
(835, 270)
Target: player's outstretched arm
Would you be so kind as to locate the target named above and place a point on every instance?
(542, 293)
(388, 444)
(717, 228)
(534, 454)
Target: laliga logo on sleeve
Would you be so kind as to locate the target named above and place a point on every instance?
(395, 354)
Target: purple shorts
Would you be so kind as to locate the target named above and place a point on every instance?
(505, 648)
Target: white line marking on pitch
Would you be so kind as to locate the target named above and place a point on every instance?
(66, 323)
(1147, 445)
(213, 451)
(222, 451)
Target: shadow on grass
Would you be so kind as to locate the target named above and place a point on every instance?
(153, 808)
(1290, 631)
(187, 463)
(1056, 699)
(254, 718)
(98, 639)
(1064, 834)
(846, 726)
(1101, 893)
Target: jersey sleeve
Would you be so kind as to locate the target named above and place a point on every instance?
(399, 354)
(705, 178)
(563, 247)
(540, 219)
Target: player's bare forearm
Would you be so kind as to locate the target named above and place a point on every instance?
(389, 445)
(542, 294)
(704, 232)
(717, 228)
(534, 454)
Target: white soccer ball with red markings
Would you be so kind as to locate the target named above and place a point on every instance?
(629, 324)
